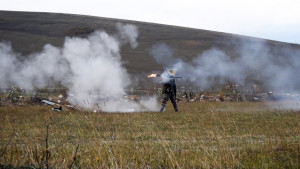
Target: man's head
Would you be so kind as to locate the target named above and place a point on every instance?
(172, 72)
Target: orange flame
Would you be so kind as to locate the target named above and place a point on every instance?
(152, 75)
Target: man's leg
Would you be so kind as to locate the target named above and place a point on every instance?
(164, 101)
(173, 100)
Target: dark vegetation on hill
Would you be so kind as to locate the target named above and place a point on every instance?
(28, 32)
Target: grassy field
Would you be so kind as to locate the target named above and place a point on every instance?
(201, 135)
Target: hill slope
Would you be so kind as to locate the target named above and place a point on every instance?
(28, 32)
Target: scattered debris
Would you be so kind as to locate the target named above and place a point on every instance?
(53, 104)
(71, 107)
(228, 93)
(48, 102)
(132, 97)
(57, 109)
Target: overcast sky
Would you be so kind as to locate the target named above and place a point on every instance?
(269, 19)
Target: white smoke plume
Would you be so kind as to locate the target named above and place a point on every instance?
(163, 54)
(90, 68)
(128, 34)
(276, 68)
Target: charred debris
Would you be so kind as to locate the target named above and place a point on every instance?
(58, 97)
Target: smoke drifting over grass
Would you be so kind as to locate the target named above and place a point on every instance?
(90, 68)
(277, 69)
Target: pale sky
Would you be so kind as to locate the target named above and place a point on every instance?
(269, 19)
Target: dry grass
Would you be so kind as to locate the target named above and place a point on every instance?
(201, 135)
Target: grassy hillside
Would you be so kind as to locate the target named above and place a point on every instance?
(29, 32)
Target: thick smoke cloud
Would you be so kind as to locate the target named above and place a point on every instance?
(277, 68)
(90, 68)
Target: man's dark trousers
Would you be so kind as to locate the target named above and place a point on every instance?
(166, 98)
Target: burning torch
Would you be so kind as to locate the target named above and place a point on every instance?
(170, 74)
(153, 75)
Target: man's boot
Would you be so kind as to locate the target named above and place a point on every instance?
(162, 108)
(175, 107)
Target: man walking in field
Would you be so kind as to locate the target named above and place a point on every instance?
(169, 91)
